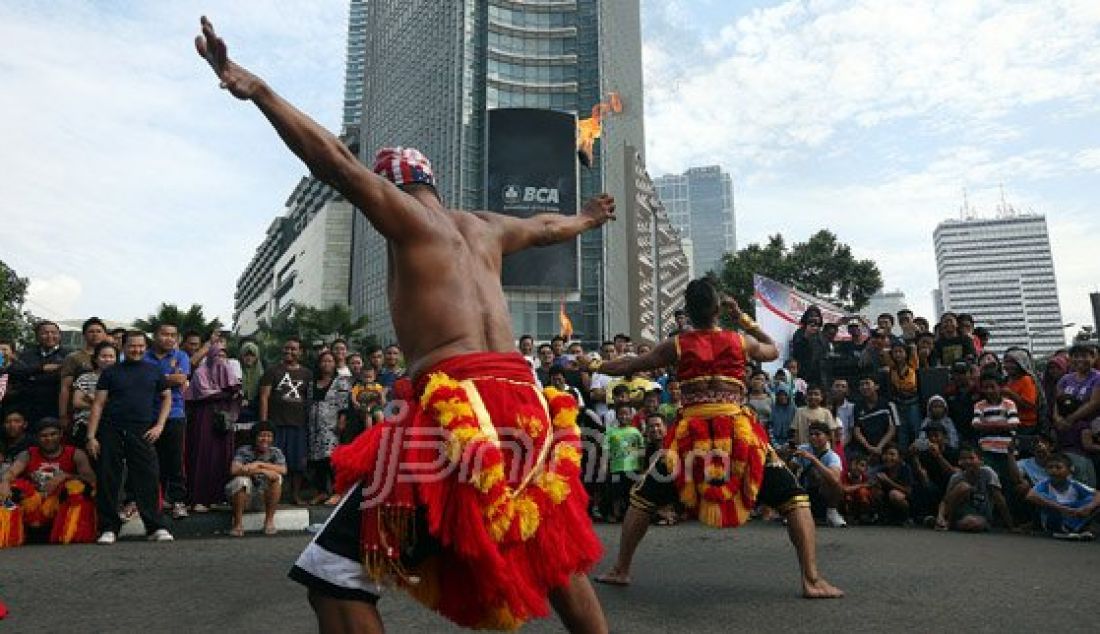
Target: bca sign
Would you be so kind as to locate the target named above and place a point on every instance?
(543, 195)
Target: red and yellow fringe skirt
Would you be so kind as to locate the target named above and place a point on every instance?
(492, 466)
(717, 454)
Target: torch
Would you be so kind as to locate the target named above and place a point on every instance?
(588, 130)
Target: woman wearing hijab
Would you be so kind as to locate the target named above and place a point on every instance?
(252, 369)
(783, 410)
(1056, 368)
(213, 405)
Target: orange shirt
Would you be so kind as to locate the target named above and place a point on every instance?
(904, 378)
(1026, 388)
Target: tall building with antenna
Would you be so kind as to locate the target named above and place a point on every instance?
(1001, 270)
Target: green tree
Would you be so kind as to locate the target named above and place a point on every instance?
(311, 324)
(822, 266)
(14, 323)
(190, 319)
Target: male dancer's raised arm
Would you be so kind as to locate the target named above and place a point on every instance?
(395, 215)
(517, 234)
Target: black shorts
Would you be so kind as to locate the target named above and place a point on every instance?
(332, 564)
(779, 488)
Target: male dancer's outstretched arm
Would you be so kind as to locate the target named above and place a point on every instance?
(517, 234)
(395, 215)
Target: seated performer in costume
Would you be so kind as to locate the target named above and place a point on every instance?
(52, 482)
(718, 460)
(469, 498)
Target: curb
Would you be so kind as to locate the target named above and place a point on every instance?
(218, 521)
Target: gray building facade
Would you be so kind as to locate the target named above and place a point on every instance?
(700, 205)
(437, 68)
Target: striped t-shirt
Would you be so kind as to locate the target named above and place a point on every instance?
(996, 424)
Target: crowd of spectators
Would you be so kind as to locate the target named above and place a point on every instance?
(901, 423)
(168, 423)
(927, 424)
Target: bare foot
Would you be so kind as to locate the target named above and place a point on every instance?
(236, 531)
(269, 529)
(614, 578)
(333, 500)
(820, 589)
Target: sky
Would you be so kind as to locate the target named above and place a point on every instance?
(129, 179)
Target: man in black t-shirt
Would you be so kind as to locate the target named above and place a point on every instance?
(874, 422)
(37, 373)
(952, 345)
(284, 395)
(131, 407)
(960, 402)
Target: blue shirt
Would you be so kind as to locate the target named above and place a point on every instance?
(1072, 493)
(387, 377)
(173, 362)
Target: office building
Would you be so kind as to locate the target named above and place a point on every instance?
(436, 70)
(302, 260)
(1001, 271)
(884, 302)
(700, 205)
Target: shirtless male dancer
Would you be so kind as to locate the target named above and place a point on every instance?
(718, 461)
(452, 321)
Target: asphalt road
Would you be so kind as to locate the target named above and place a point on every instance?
(688, 579)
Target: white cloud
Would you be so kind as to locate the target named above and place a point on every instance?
(789, 78)
(1089, 159)
(125, 166)
(53, 297)
(871, 118)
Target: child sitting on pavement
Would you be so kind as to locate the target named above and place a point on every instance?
(1066, 506)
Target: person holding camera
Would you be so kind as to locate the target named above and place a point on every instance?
(819, 472)
(933, 461)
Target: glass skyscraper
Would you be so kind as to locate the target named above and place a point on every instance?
(700, 206)
(260, 286)
(434, 71)
(356, 58)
